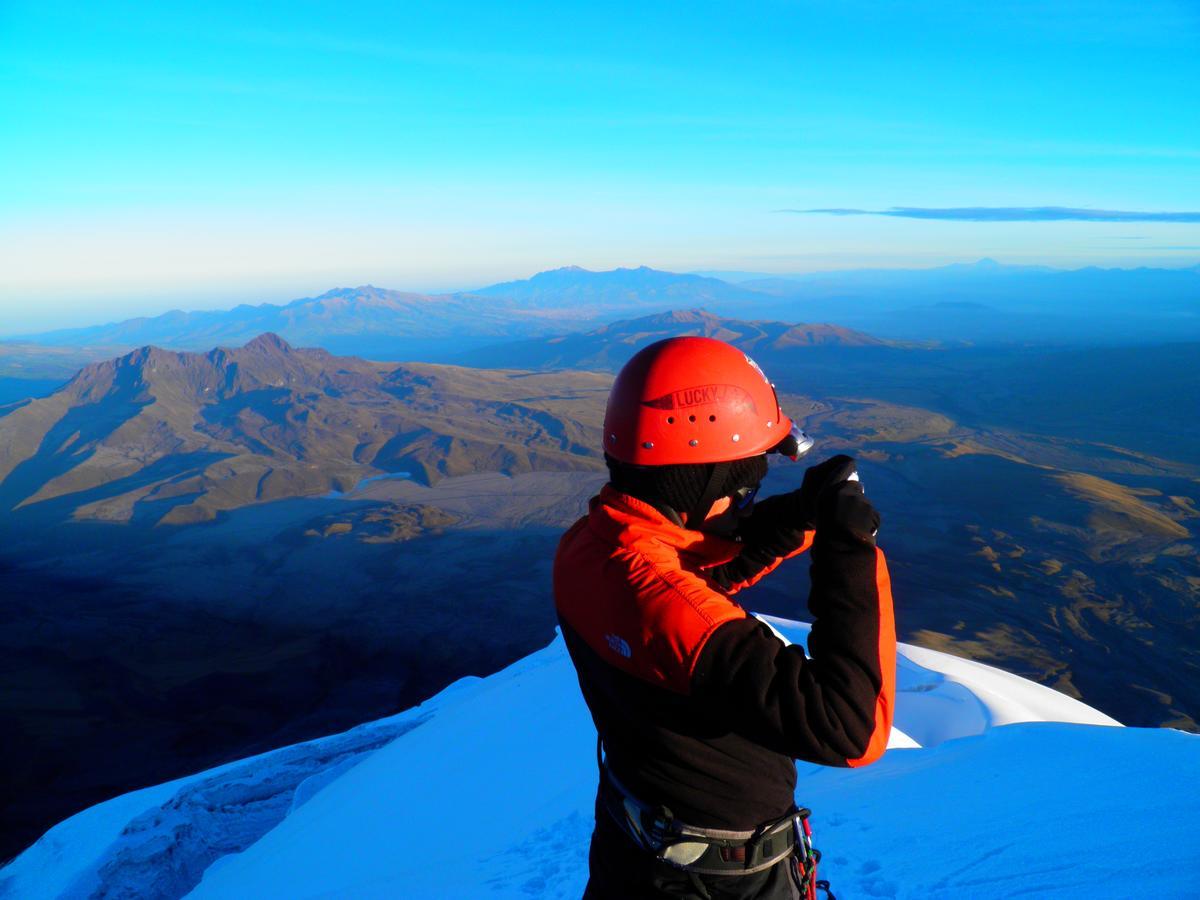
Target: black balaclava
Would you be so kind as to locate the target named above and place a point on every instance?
(684, 488)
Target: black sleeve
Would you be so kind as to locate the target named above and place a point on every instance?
(744, 568)
(767, 538)
(834, 708)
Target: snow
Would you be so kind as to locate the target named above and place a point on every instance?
(992, 787)
(941, 697)
(1034, 809)
(158, 841)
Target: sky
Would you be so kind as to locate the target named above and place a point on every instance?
(200, 155)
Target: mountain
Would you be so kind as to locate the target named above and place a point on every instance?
(609, 346)
(991, 786)
(616, 290)
(174, 437)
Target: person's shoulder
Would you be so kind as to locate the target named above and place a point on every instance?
(679, 607)
(691, 590)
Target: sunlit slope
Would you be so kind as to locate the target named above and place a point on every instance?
(176, 437)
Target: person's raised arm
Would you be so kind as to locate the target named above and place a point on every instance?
(779, 527)
(835, 707)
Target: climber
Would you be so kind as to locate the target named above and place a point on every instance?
(700, 708)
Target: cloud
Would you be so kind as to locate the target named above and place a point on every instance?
(1009, 214)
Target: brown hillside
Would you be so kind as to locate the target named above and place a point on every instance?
(176, 437)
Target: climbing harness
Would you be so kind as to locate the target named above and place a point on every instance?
(713, 851)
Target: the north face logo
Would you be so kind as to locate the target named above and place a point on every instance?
(618, 644)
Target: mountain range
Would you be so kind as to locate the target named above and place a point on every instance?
(984, 302)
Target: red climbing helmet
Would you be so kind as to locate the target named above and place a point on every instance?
(695, 400)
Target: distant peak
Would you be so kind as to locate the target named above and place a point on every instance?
(342, 293)
(268, 342)
(142, 355)
(987, 263)
(562, 270)
(695, 314)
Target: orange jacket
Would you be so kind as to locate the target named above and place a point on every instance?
(700, 706)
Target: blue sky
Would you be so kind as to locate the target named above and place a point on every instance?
(197, 155)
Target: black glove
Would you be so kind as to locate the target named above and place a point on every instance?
(819, 480)
(776, 525)
(845, 515)
(779, 522)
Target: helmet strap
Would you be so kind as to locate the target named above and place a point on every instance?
(670, 513)
(712, 491)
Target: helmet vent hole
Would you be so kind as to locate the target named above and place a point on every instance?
(712, 418)
(670, 420)
(691, 418)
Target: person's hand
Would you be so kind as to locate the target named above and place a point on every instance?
(844, 511)
(778, 523)
(819, 480)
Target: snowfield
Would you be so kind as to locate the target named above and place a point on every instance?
(993, 786)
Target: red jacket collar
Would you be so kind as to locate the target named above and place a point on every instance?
(626, 521)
